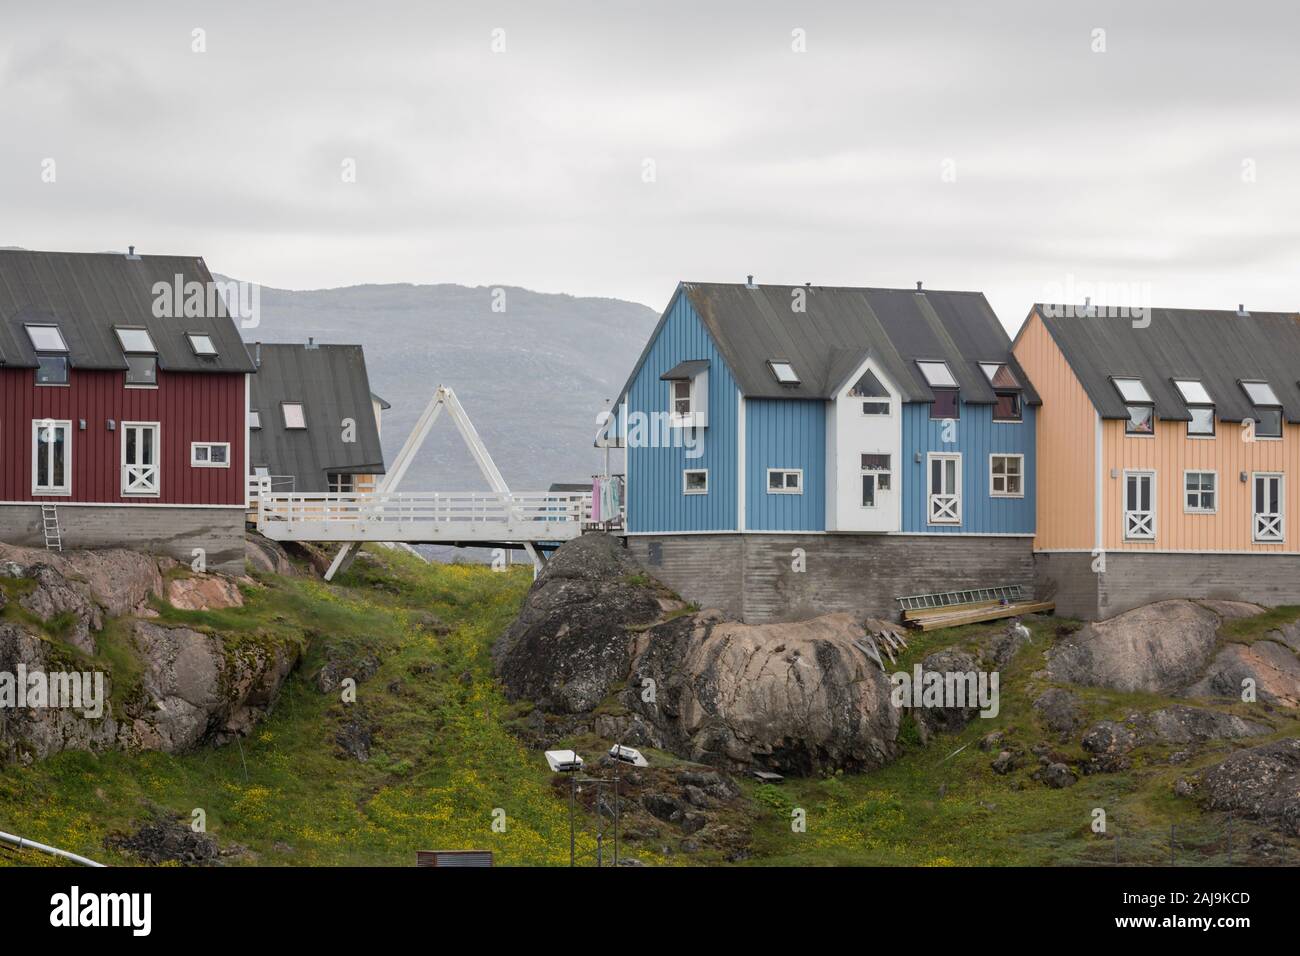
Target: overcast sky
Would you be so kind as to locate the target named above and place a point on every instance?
(971, 145)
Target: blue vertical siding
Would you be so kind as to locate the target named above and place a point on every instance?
(978, 436)
(655, 499)
(784, 433)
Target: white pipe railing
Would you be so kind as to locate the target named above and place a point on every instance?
(25, 844)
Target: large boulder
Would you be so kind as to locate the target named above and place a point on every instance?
(935, 720)
(1273, 668)
(1262, 783)
(1159, 648)
(1189, 725)
(199, 691)
(572, 641)
(121, 582)
(795, 698)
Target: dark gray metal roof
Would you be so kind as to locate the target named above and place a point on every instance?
(841, 327)
(1219, 348)
(331, 383)
(686, 369)
(87, 294)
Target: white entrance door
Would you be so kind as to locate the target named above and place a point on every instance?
(1139, 505)
(945, 489)
(140, 458)
(1267, 519)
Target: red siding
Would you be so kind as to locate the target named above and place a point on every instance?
(189, 407)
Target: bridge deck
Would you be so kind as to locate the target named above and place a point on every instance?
(426, 518)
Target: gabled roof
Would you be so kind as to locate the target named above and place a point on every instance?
(332, 384)
(840, 328)
(87, 294)
(1218, 348)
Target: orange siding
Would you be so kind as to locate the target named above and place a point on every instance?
(1066, 443)
(1169, 454)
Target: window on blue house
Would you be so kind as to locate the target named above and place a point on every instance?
(1007, 476)
(946, 404)
(695, 481)
(785, 481)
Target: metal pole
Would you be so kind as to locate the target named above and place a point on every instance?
(617, 776)
(23, 844)
(573, 796)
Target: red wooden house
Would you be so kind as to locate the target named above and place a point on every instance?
(123, 406)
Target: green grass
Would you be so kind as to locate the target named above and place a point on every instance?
(1247, 630)
(441, 764)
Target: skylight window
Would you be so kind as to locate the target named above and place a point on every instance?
(784, 372)
(1193, 392)
(937, 374)
(136, 341)
(293, 415)
(999, 375)
(254, 418)
(201, 344)
(1260, 393)
(1132, 391)
(46, 338)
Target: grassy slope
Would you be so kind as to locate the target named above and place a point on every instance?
(441, 764)
(444, 758)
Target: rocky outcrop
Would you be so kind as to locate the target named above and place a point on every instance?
(1262, 783)
(1061, 710)
(1188, 725)
(267, 556)
(203, 592)
(1272, 668)
(796, 698)
(935, 720)
(572, 641)
(1160, 648)
(190, 687)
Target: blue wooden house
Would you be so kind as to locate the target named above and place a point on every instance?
(802, 449)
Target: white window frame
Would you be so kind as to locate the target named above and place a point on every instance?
(1279, 518)
(690, 398)
(126, 375)
(255, 419)
(785, 489)
(874, 474)
(695, 471)
(53, 491)
(889, 407)
(993, 492)
(943, 508)
(1187, 510)
(1124, 510)
(1128, 420)
(67, 370)
(1201, 436)
(155, 490)
(191, 336)
(209, 463)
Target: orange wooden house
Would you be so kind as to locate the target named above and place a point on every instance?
(1168, 455)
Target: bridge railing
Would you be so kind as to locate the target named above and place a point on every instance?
(442, 508)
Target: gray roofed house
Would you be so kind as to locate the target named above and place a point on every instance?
(839, 328)
(1220, 348)
(331, 385)
(87, 295)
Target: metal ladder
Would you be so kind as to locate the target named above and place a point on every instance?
(919, 602)
(50, 525)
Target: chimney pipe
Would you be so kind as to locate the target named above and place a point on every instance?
(1241, 309)
(749, 282)
(130, 252)
(918, 286)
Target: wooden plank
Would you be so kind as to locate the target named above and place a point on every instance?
(981, 615)
(919, 613)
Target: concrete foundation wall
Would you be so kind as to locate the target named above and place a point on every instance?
(171, 531)
(752, 577)
(1132, 579)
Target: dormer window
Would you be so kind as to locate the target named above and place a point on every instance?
(784, 371)
(874, 395)
(51, 369)
(1137, 402)
(947, 399)
(1006, 388)
(1199, 405)
(1268, 410)
(688, 393)
(141, 357)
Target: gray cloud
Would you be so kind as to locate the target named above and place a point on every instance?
(526, 167)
